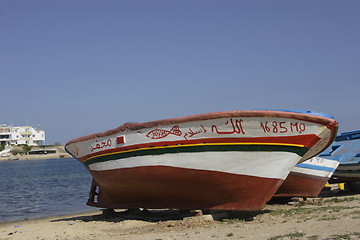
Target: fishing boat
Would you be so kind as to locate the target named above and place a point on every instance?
(346, 150)
(308, 178)
(234, 160)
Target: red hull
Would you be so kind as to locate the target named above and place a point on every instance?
(169, 187)
(301, 185)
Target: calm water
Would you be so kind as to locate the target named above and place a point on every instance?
(40, 188)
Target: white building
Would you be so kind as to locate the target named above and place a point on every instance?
(30, 136)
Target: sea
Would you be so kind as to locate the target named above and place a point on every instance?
(32, 189)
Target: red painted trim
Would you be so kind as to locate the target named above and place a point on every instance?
(306, 140)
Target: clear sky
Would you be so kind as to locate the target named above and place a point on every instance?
(78, 67)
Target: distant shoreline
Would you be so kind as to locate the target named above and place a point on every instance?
(34, 157)
(59, 153)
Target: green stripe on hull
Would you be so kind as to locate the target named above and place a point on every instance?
(204, 148)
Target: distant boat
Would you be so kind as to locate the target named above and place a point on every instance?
(232, 160)
(308, 178)
(346, 150)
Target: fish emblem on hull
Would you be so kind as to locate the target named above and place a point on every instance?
(161, 133)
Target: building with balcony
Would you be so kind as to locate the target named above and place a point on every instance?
(10, 135)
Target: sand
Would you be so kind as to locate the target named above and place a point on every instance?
(333, 217)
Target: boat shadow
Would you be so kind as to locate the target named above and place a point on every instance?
(156, 215)
(110, 215)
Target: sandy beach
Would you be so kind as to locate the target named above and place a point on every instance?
(332, 217)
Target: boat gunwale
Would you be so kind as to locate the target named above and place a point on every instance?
(208, 116)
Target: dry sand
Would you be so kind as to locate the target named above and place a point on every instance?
(335, 217)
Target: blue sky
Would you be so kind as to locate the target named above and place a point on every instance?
(77, 67)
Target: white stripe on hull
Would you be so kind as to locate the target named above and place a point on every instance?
(317, 162)
(259, 164)
(313, 172)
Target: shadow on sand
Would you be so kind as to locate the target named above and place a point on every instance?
(110, 215)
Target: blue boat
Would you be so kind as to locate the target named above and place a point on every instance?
(346, 150)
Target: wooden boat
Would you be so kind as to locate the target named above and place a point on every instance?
(345, 149)
(308, 178)
(233, 160)
(347, 172)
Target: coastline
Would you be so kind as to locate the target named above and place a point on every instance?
(59, 153)
(334, 217)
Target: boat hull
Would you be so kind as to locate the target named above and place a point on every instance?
(203, 180)
(228, 160)
(347, 173)
(307, 179)
(169, 187)
(345, 149)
